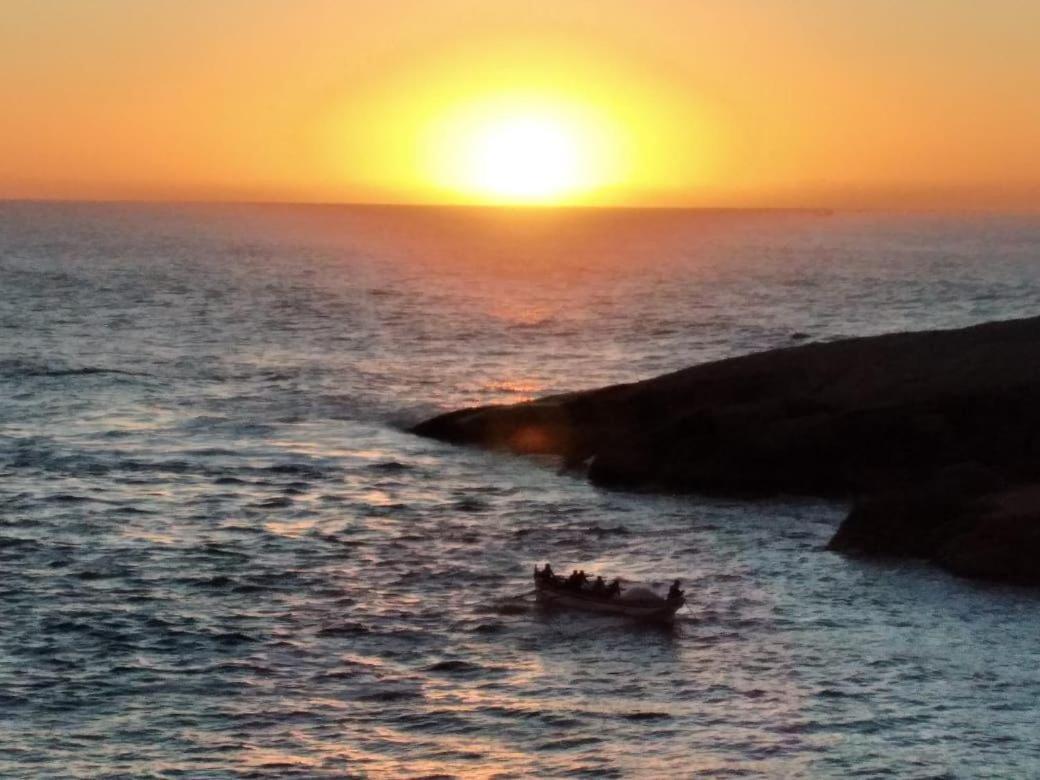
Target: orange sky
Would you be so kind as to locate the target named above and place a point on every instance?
(890, 103)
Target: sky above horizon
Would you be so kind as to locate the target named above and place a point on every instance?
(879, 103)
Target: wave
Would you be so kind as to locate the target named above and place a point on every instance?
(17, 368)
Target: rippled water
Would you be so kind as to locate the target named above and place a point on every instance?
(222, 556)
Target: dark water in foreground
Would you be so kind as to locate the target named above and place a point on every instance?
(221, 556)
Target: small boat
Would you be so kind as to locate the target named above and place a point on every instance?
(635, 601)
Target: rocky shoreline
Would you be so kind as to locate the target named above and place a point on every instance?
(934, 435)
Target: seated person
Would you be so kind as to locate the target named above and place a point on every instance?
(675, 592)
(614, 588)
(577, 580)
(599, 587)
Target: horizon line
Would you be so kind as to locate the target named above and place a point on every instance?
(813, 209)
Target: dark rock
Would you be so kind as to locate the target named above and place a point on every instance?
(908, 523)
(1002, 544)
(921, 425)
(988, 535)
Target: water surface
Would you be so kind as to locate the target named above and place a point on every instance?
(222, 556)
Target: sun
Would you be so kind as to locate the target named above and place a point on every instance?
(527, 125)
(524, 158)
(520, 150)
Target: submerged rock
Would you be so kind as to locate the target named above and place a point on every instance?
(891, 418)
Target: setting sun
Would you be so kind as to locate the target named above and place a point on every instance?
(524, 158)
(523, 125)
(529, 146)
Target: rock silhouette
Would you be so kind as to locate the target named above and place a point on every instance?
(935, 433)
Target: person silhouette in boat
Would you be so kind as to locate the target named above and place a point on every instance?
(577, 580)
(675, 592)
(613, 589)
(599, 587)
(547, 574)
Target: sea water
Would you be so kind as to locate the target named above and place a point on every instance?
(222, 555)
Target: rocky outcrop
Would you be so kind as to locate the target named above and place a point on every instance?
(993, 535)
(889, 418)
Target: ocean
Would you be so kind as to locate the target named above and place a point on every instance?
(222, 554)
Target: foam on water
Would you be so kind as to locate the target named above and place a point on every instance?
(220, 555)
